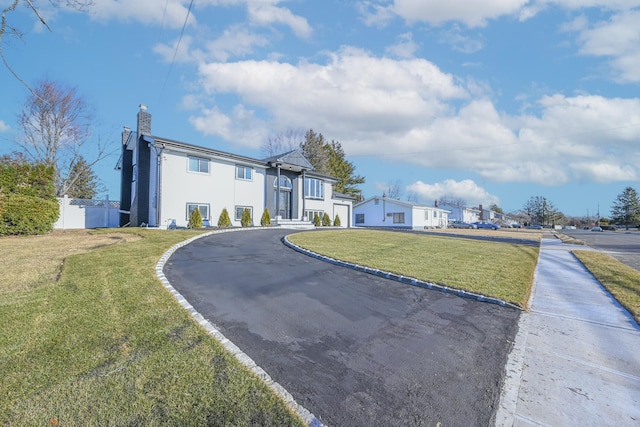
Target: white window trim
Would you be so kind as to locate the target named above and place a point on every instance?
(319, 188)
(199, 159)
(244, 173)
(238, 218)
(204, 218)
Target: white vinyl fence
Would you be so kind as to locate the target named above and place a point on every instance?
(85, 213)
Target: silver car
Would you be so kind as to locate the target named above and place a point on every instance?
(461, 224)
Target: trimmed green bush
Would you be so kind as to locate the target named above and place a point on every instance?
(28, 204)
(22, 214)
(246, 220)
(336, 221)
(316, 220)
(224, 220)
(195, 219)
(266, 218)
(326, 221)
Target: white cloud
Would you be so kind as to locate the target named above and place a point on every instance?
(4, 127)
(410, 111)
(619, 39)
(171, 13)
(404, 48)
(266, 13)
(460, 42)
(466, 190)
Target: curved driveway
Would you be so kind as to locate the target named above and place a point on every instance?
(354, 349)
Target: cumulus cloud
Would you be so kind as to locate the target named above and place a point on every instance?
(466, 190)
(617, 38)
(404, 48)
(410, 111)
(4, 127)
(171, 14)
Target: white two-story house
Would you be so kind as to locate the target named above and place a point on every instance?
(163, 181)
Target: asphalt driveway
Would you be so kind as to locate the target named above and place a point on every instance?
(354, 349)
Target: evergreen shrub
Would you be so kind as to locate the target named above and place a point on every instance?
(224, 220)
(246, 221)
(326, 221)
(195, 219)
(336, 221)
(22, 214)
(316, 220)
(266, 218)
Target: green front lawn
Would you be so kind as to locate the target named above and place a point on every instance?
(106, 344)
(500, 270)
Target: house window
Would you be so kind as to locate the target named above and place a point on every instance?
(197, 164)
(426, 215)
(203, 208)
(398, 218)
(244, 172)
(359, 218)
(310, 215)
(240, 211)
(313, 188)
(285, 182)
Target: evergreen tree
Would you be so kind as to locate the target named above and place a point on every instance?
(245, 221)
(266, 218)
(195, 219)
(626, 208)
(83, 181)
(316, 220)
(343, 170)
(314, 149)
(326, 220)
(336, 221)
(224, 220)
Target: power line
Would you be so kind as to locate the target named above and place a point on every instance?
(175, 53)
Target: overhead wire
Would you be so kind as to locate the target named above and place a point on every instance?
(175, 52)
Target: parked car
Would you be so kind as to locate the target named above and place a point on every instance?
(596, 228)
(461, 224)
(487, 225)
(534, 227)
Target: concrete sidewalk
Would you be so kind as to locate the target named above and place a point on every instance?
(576, 358)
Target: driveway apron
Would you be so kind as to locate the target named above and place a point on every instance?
(352, 348)
(576, 361)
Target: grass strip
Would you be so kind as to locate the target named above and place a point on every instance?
(106, 344)
(500, 270)
(622, 281)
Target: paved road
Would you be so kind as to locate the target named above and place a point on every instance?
(621, 244)
(354, 349)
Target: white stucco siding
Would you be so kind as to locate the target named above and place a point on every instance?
(217, 188)
(382, 214)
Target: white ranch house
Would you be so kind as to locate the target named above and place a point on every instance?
(392, 213)
(163, 181)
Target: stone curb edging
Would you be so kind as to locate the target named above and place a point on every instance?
(243, 358)
(400, 278)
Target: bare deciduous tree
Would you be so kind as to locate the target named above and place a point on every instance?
(56, 126)
(6, 29)
(282, 142)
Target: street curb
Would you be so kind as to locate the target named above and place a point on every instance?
(243, 358)
(407, 280)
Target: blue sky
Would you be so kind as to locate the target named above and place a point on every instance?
(490, 101)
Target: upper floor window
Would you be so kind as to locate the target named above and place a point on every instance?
(285, 182)
(313, 188)
(244, 172)
(198, 164)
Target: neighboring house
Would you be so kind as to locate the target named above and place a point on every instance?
(163, 181)
(460, 213)
(386, 212)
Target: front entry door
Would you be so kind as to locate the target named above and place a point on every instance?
(285, 204)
